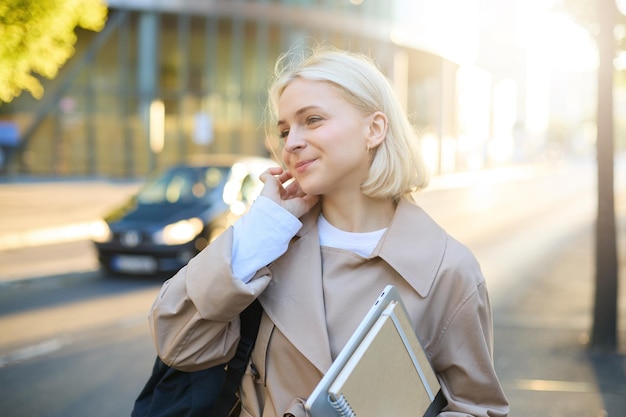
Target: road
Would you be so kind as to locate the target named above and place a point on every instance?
(75, 343)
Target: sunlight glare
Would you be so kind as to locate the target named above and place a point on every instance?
(555, 39)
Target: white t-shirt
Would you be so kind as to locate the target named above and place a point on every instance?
(263, 234)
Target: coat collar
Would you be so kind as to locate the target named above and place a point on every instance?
(413, 245)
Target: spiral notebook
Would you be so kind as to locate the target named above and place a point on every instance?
(381, 371)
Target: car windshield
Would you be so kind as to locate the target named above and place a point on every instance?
(185, 185)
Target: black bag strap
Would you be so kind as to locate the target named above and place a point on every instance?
(437, 405)
(250, 320)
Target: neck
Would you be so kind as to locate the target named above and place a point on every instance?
(359, 215)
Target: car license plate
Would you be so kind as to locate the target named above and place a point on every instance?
(137, 264)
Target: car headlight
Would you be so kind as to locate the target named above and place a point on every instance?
(100, 231)
(179, 232)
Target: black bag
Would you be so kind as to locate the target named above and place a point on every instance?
(207, 393)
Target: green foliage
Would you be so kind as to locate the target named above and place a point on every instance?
(38, 38)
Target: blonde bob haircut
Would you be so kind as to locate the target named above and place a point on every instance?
(397, 167)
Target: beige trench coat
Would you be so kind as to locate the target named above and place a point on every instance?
(194, 320)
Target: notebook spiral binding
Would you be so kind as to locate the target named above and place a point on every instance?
(342, 406)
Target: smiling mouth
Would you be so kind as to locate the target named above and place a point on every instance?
(303, 164)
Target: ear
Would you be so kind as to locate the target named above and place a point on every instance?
(377, 129)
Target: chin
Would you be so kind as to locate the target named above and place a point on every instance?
(311, 189)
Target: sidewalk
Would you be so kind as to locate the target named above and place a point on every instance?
(541, 340)
(71, 206)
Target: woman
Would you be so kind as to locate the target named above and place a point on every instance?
(327, 233)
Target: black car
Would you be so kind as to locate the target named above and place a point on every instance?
(177, 213)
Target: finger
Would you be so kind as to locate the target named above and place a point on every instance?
(284, 177)
(270, 173)
(294, 190)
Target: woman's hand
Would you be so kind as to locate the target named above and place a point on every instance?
(290, 197)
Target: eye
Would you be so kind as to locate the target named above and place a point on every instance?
(313, 119)
(283, 134)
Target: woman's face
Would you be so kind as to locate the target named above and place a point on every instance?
(324, 138)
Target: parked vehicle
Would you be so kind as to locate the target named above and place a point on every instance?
(177, 213)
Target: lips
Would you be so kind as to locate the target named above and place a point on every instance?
(303, 165)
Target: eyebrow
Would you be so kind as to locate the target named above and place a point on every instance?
(299, 112)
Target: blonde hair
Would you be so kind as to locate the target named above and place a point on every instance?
(397, 167)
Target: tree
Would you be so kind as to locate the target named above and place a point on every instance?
(38, 38)
(604, 332)
(601, 16)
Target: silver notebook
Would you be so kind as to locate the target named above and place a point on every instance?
(366, 353)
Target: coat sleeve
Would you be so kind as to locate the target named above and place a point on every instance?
(462, 348)
(468, 376)
(194, 320)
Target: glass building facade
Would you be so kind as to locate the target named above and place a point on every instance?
(164, 81)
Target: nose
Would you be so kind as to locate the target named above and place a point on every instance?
(294, 141)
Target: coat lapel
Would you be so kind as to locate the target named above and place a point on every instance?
(294, 299)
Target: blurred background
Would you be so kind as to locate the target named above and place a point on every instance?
(487, 82)
(520, 108)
